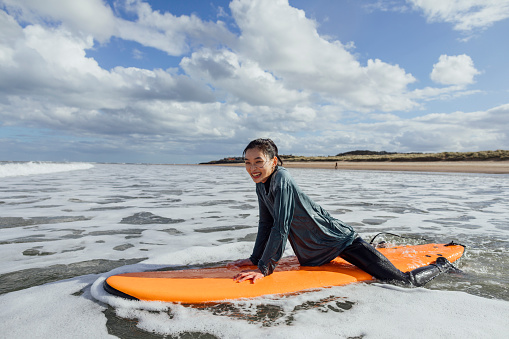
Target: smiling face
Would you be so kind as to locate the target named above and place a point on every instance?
(259, 165)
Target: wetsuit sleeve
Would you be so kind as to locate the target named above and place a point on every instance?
(284, 204)
(264, 225)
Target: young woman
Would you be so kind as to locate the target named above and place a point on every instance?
(286, 213)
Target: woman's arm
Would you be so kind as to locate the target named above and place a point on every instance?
(271, 239)
(264, 226)
(284, 204)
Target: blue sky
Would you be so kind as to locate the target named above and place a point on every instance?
(190, 81)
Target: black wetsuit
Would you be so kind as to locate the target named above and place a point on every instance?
(368, 259)
(286, 213)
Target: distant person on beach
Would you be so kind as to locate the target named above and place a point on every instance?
(286, 213)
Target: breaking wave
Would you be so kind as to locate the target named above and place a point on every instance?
(13, 169)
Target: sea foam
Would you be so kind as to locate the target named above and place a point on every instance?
(13, 169)
(63, 234)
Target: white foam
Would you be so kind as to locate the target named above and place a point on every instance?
(51, 311)
(378, 311)
(34, 168)
(468, 208)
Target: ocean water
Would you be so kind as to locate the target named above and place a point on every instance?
(65, 227)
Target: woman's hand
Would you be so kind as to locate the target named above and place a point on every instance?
(239, 263)
(253, 275)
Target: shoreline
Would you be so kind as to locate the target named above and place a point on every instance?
(486, 167)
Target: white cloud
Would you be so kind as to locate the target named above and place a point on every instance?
(242, 80)
(386, 6)
(137, 54)
(458, 131)
(94, 18)
(454, 70)
(89, 18)
(54, 66)
(279, 60)
(278, 77)
(59, 49)
(167, 32)
(466, 15)
(444, 93)
(280, 38)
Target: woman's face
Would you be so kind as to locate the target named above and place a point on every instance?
(258, 165)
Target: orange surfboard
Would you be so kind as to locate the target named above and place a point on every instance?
(216, 284)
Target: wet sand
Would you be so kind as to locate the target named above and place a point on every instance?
(490, 167)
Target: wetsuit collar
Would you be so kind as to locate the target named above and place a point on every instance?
(269, 179)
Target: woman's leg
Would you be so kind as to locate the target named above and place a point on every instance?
(368, 259)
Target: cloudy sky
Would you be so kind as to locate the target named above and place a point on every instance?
(177, 81)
